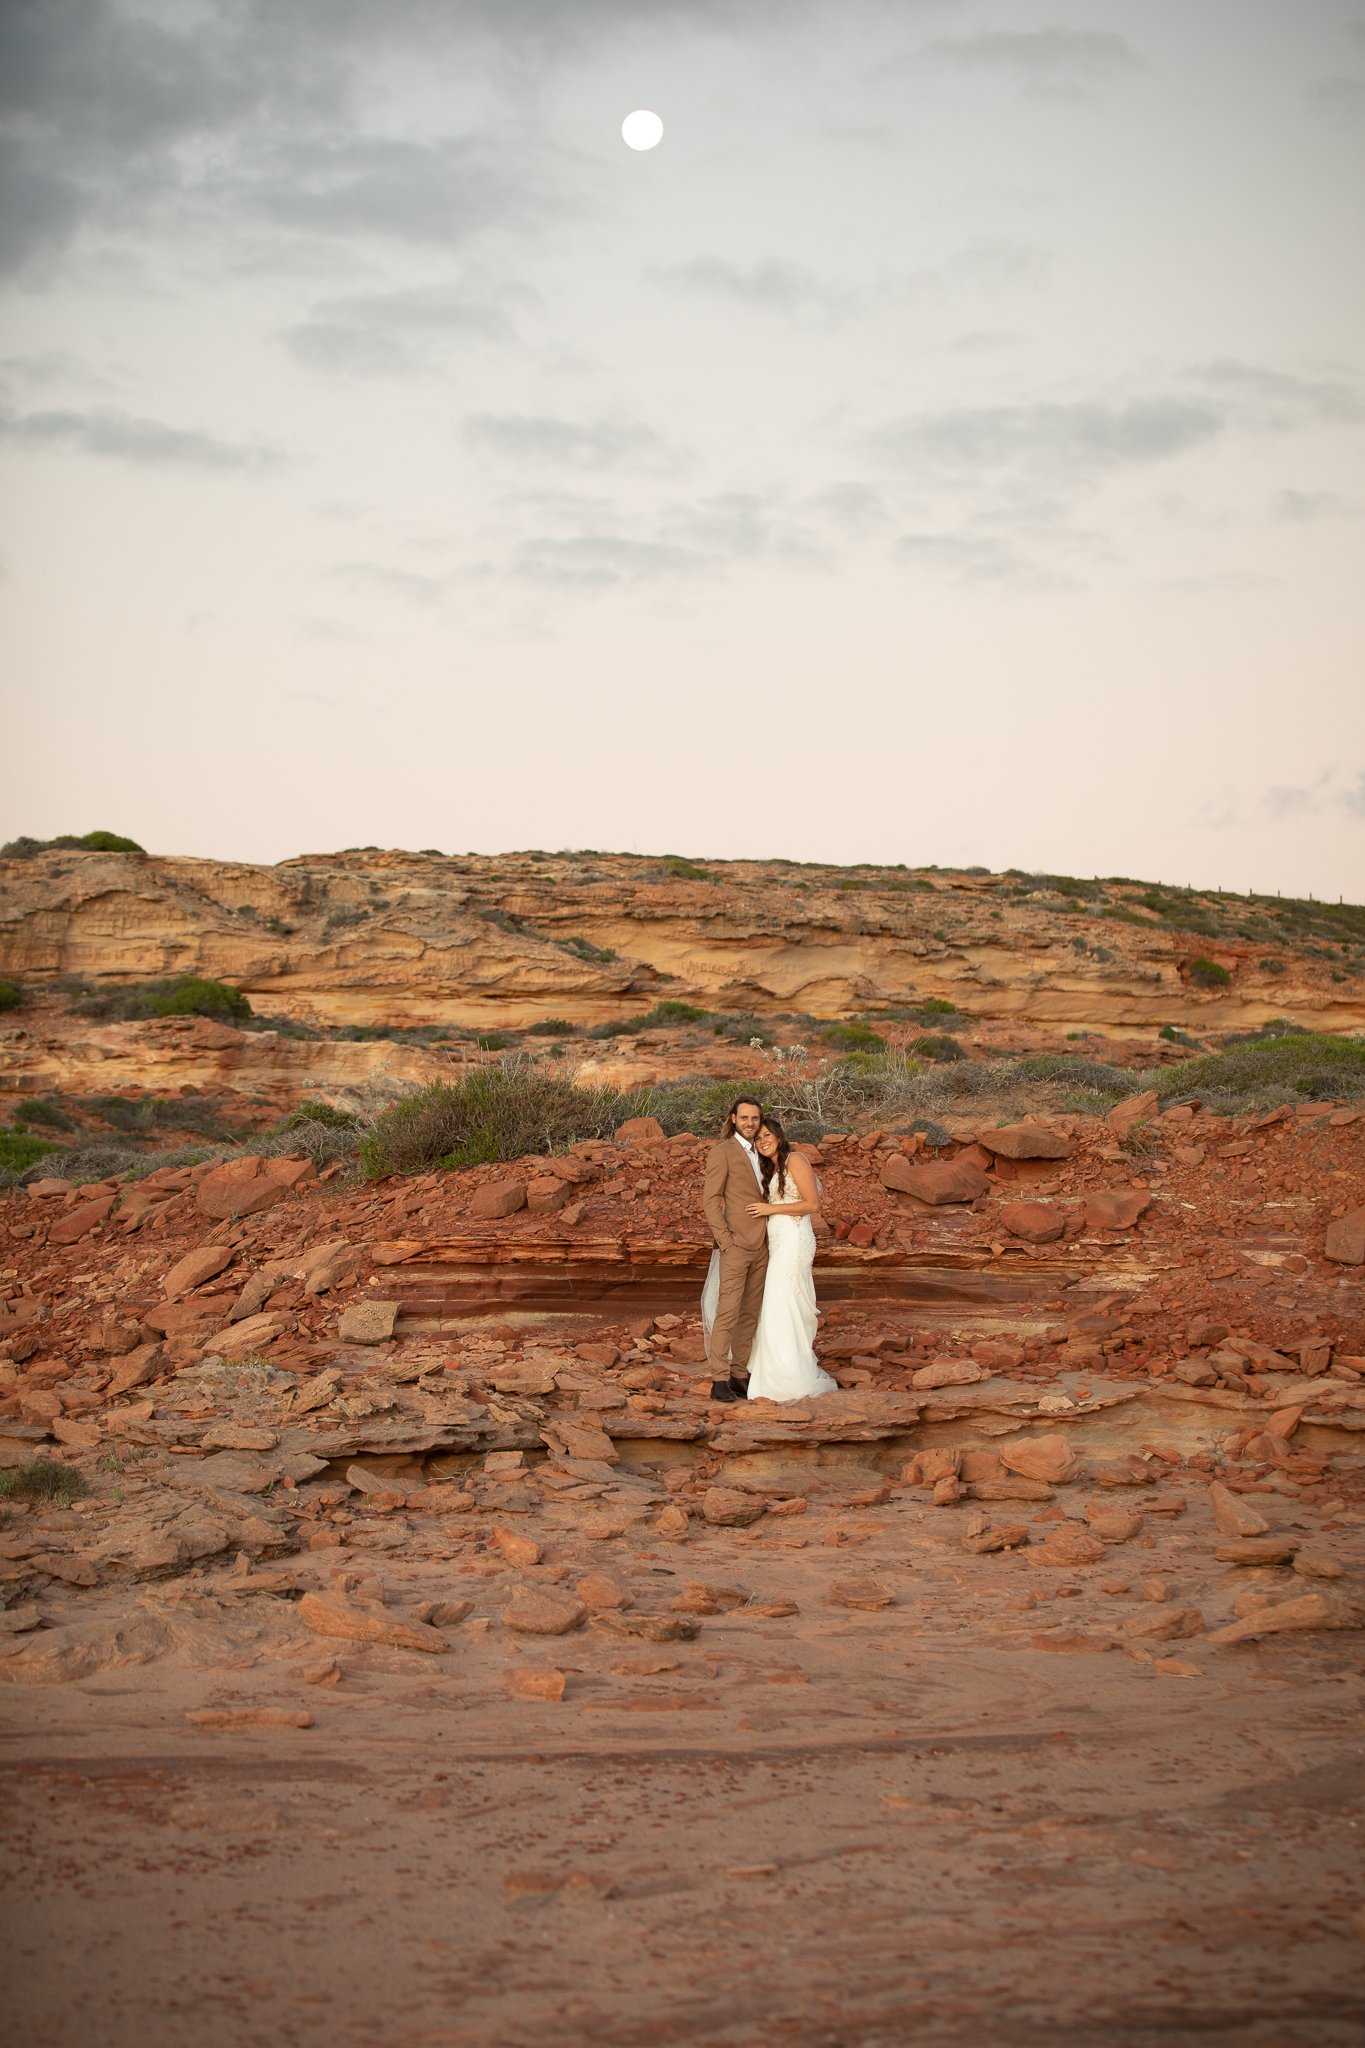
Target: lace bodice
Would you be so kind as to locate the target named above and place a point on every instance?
(783, 1193)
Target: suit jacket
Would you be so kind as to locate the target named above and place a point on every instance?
(731, 1184)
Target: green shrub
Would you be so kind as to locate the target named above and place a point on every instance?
(1272, 966)
(188, 995)
(699, 1106)
(1263, 1072)
(669, 1012)
(685, 870)
(1208, 974)
(493, 1041)
(20, 1149)
(493, 1113)
(1073, 1070)
(11, 995)
(103, 842)
(596, 956)
(34, 1111)
(935, 1006)
(936, 1045)
(90, 842)
(552, 1027)
(853, 1038)
(325, 1113)
(1119, 913)
(673, 1012)
(42, 1480)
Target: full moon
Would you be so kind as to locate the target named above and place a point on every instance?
(641, 130)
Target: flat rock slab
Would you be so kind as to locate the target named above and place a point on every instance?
(330, 1617)
(543, 1611)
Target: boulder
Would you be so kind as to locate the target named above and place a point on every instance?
(368, 1322)
(1167, 1624)
(1257, 1550)
(244, 1187)
(134, 1369)
(74, 1224)
(1345, 1240)
(1234, 1515)
(949, 1372)
(727, 1508)
(1115, 1208)
(324, 1266)
(498, 1198)
(1048, 1458)
(1134, 1109)
(543, 1611)
(936, 1182)
(601, 1594)
(1027, 1141)
(546, 1193)
(330, 1617)
(1306, 1611)
(1035, 1222)
(1067, 1544)
(239, 1340)
(639, 1130)
(865, 1594)
(194, 1269)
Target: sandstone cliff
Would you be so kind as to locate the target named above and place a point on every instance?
(383, 939)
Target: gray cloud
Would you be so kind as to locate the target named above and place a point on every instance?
(1076, 436)
(405, 583)
(393, 333)
(569, 444)
(735, 525)
(770, 284)
(440, 193)
(1060, 63)
(39, 207)
(123, 437)
(773, 285)
(973, 558)
(1301, 508)
(1282, 399)
(853, 508)
(1340, 99)
(597, 561)
(107, 109)
(1292, 801)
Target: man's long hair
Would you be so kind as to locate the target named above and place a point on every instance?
(735, 1108)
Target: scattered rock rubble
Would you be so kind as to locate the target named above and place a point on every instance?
(423, 1481)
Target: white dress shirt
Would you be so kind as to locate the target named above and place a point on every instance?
(753, 1161)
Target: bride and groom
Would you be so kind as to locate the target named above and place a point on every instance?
(758, 1305)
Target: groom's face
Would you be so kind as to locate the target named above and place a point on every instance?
(747, 1121)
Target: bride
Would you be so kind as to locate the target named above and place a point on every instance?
(782, 1365)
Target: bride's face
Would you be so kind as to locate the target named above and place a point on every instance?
(766, 1143)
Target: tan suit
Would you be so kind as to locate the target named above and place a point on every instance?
(731, 1184)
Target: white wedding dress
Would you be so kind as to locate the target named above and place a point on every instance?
(782, 1364)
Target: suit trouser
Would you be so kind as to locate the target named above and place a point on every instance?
(742, 1273)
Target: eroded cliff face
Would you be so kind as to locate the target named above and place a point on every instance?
(372, 938)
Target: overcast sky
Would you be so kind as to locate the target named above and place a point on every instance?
(946, 446)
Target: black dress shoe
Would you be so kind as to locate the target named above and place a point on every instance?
(741, 1387)
(725, 1390)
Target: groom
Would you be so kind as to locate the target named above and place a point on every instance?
(733, 1181)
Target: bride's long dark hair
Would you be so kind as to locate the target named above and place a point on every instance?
(767, 1167)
